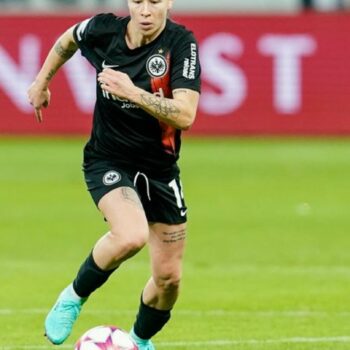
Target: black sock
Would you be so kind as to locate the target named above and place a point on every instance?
(90, 277)
(150, 321)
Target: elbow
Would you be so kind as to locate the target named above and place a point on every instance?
(186, 127)
(186, 122)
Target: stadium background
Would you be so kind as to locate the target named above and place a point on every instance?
(265, 170)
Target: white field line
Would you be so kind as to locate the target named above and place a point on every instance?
(209, 343)
(196, 313)
(233, 268)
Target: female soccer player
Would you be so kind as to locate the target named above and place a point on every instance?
(147, 92)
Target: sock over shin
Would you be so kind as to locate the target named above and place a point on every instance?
(150, 321)
(90, 277)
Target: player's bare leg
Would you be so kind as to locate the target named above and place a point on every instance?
(129, 231)
(167, 244)
(128, 234)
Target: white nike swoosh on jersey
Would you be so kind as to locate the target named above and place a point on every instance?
(104, 65)
(183, 212)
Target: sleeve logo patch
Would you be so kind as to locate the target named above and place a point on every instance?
(111, 177)
(157, 66)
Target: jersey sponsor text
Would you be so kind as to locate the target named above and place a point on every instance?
(189, 68)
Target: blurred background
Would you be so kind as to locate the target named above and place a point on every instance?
(269, 67)
(265, 169)
(181, 5)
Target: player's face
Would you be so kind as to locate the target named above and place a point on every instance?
(149, 16)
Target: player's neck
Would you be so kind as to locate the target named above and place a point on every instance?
(135, 38)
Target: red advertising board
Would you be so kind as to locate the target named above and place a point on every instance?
(260, 75)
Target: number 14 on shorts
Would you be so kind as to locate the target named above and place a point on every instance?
(179, 195)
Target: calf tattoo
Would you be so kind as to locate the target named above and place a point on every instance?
(174, 236)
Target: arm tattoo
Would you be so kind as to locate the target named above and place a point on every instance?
(174, 236)
(183, 91)
(130, 195)
(164, 108)
(65, 53)
(51, 74)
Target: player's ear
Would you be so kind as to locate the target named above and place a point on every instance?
(170, 4)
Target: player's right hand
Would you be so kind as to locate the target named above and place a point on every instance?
(38, 97)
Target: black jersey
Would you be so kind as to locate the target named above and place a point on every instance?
(121, 130)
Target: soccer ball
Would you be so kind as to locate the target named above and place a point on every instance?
(105, 338)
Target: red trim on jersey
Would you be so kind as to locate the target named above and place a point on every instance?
(163, 84)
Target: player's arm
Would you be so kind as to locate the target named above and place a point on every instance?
(39, 93)
(179, 111)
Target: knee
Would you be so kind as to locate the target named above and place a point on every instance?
(129, 244)
(168, 282)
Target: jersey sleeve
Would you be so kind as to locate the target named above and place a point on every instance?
(186, 67)
(92, 32)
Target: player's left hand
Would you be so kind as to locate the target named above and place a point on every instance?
(116, 83)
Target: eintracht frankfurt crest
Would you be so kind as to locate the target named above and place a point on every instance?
(111, 177)
(156, 66)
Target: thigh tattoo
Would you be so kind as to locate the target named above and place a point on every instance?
(174, 236)
(130, 195)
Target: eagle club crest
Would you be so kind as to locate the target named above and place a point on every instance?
(111, 177)
(157, 66)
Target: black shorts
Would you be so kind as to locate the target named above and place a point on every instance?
(161, 196)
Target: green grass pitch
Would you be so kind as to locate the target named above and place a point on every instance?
(267, 264)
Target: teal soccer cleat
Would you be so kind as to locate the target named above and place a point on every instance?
(60, 320)
(142, 344)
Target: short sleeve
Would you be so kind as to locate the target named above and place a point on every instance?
(89, 31)
(185, 64)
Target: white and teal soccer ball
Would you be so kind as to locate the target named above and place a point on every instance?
(105, 338)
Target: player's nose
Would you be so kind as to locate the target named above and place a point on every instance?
(145, 10)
